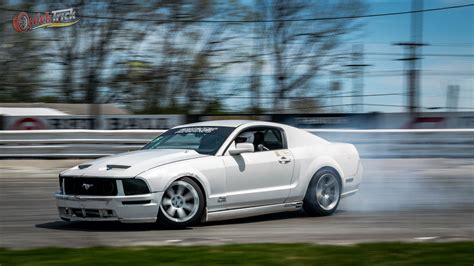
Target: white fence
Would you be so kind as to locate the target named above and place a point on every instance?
(449, 143)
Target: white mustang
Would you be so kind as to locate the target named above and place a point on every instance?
(212, 171)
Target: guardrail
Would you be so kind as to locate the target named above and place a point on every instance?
(449, 143)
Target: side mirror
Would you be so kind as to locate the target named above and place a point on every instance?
(242, 148)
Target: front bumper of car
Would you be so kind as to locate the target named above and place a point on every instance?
(126, 209)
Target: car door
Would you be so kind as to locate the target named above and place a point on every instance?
(261, 177)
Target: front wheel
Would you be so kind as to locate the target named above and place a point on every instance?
(323, 194)
(182, 204)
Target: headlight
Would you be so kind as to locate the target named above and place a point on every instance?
(134, 187)
(61, 180)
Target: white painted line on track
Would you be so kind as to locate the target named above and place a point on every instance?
(424, 238)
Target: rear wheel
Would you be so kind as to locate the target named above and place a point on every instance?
(323, 194)
(182, 204)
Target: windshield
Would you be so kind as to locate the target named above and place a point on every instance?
(204, 140)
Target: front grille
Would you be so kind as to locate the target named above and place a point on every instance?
(86, 213)
(90, 186)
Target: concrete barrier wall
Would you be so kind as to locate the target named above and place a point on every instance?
(448, 143)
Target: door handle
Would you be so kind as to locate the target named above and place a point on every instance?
(284, 160)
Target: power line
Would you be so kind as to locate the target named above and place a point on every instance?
(259, 21)
(366, 104)
(308, 97)
(392, 105)
(224, 77)
(466, 45)
(448, 55)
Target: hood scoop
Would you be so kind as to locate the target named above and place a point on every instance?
(83, 166)
(117, 166)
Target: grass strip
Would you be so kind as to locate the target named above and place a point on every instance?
(455, 253)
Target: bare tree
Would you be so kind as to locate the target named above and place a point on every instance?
(20, 60)
(86, 50)
(165, 56)
(182, 59)
(300, 49)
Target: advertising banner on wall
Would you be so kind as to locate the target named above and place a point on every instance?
(431, 120)
(106, 122)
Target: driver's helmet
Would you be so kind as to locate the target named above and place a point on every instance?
(246, 137)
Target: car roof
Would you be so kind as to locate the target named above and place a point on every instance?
(217, 123)
(231, 123)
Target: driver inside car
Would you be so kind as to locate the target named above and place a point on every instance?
(246, 137)
(253, 138)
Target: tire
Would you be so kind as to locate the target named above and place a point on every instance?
(323, 194)
(182, 204)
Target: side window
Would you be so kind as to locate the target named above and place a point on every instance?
(273, 139)
(263, 138)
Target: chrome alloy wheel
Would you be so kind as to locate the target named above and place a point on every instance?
(180, 202)
(327, 191)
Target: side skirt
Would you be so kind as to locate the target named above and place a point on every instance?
(252, 211)
(349, 193)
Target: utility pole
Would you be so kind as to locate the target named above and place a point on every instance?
(256, 68)
(357, 78)
(335, 87)
(413, 47)
(452, 98)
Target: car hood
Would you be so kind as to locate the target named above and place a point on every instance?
(130, 164)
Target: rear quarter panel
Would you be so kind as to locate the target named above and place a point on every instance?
(312, 153)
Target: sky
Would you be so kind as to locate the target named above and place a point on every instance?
(445, 32)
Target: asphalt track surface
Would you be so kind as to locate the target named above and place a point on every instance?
(400, 200)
